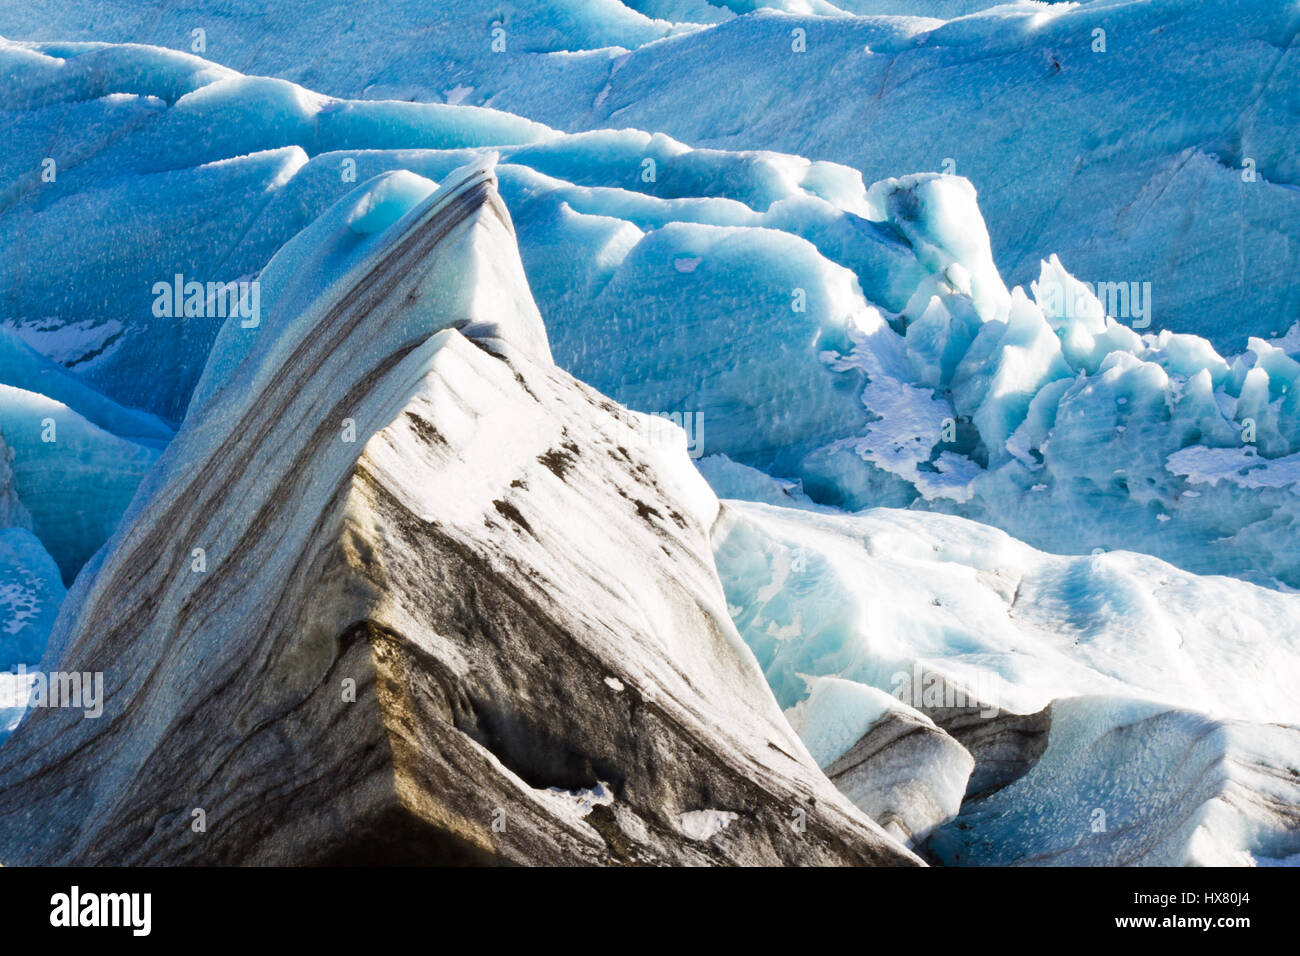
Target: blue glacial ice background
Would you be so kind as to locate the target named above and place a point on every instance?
(988, 316)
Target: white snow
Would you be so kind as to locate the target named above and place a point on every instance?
(1243, 467)
(884, 591)
(580, 802)
(705, 824)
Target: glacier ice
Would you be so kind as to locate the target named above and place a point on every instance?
(74, 477)
(1131, 783)
(31, 592)
(1149, 680)
(857, 341)
(867, 596)
(890, 759)
(1040, 477)
(1100, 148)
(491, 544)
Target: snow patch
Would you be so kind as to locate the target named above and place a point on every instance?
(705, 824)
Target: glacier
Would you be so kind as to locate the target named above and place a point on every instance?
(984, 341)
(1153, 787)
(1101, 148)
(1167, 698)
(550, 634)
(902, 370)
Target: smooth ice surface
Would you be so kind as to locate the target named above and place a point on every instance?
(890, 759)
(836, 713)
(74, 477)
(23, 367)
(1129, 783)
(1171, 694)
(870, 597)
